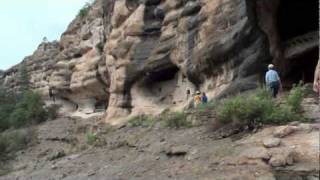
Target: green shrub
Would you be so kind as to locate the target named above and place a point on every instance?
(53, 111)
(295, 97)
(18, 110)
(141, 120)
(259, 107)
(19, 117)
(91, 138)
(282, 115)
(14, 140)
(29, 110)
(83, 12)
(205, 107)
(99, 47)
(176, 120)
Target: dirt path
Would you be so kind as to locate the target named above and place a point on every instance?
(158, 153)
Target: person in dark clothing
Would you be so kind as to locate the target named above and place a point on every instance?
(204, 98)
(51, 95)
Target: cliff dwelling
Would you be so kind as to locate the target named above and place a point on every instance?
(298, 30)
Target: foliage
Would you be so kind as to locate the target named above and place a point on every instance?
(52, 111)
(7, 105)
(83, 12)
(19, 110)
(23, 78)
(259, 107)
(169, 119)
(295, 97)
(99, 47)
(29, 110)
(141, 120)
(208, 106)
(176, 120)
(91, 138)
(12, 141)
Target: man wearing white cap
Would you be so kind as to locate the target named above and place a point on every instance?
(273, 80)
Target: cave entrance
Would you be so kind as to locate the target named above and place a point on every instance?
(159, 85)
(302, 68)
(297, 17)
(161, 75)
(298, 28)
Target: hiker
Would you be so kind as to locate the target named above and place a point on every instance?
(273, 81)
(204, 98)
(197, 98)
(51, 95)
(188, 94)
(316, 88)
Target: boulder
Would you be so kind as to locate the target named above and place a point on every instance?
(283, 158)
(271, 142)
(283, 131)
(256, 153)
(177, 150)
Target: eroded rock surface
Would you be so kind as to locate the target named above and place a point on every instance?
(129, 57)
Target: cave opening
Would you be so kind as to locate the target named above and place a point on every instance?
(161, 75)
(302, 68)
(159, 85)
(297, 17)
(298, 28)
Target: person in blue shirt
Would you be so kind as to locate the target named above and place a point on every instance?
(204, 98)
(273, 80)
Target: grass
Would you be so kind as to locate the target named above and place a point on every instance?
(168, 119)
(176, 120)
(142, 121)
(208, 106)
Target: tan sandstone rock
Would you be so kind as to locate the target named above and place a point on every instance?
(284, 131)
(271, 142)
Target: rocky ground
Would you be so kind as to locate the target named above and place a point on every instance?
(159, 153)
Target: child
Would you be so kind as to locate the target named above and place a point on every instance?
(197, 98)
(204, 98)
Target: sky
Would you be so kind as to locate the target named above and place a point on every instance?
(24, 23)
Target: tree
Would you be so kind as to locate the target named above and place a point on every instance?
(23, 78)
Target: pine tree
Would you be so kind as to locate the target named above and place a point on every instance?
(23, 78)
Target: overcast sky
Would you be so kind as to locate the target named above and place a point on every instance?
(24, 23)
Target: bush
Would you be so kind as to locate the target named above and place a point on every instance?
(176, 120)
(21, 110)
(29, 110)
(83, 12)
(141, 120)
(53, 111)
(259, 107)
(14, 140)
(91, 138)
(205, 107)
(295, 97)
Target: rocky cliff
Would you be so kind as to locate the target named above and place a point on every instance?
(131, 56)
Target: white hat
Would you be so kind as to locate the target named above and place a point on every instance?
(270, 66)
(198, 92)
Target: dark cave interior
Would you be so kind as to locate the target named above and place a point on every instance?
(297, 18)
(303, 67)
(161, 75)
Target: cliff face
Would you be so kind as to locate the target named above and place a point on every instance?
(142, 56)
